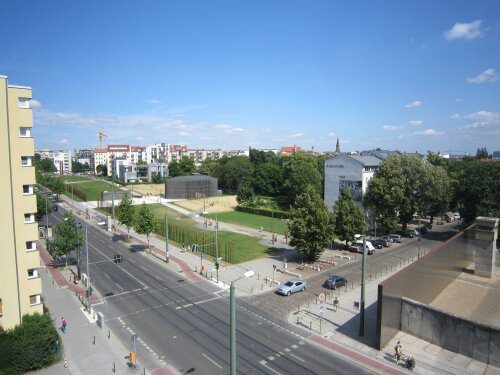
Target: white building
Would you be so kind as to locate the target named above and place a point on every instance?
(61, 159)
(349, 171)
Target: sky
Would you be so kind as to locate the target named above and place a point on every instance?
(406, 75)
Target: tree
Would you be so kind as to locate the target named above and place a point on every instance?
(145, 222)
(186, 166)
(436, 194)
(46, 165)
(42, 205)
(58, 186)
(157, 178)
(267, 179)
(208, 166)
(65, 236)
(102, 170)
(174, 169)
(482, 153)
(246, 195)
(125, 213)
(77, 167)
(348, 218)
(258, 157)
(311, 226)
(236, 171)
(299, 171)
(436, 159)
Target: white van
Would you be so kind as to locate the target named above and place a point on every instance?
(370, 249)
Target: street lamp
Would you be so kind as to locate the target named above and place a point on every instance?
(233, 321)
(362, 299)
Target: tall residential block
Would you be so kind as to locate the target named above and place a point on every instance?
(20, 285)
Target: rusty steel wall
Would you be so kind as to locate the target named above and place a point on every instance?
(422, 281)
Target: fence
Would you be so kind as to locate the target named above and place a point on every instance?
(71, 188)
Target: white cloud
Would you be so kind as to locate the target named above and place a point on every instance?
(464, 30)
(415, 122)
(456, 116)
(35, 104)
(139, 138)
(296, 135)
(222, 126)
(488, 75)
(480, 119)
(390, 127)
(63, 141)
(332, 135)
(184, 134)
(424, 133)
(414, 104)
(155, 101)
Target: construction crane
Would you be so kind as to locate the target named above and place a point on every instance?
(101, 135)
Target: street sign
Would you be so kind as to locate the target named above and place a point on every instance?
(322, 297)
(202, 255)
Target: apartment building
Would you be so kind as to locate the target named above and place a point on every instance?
(61, 159)
(20, 285)
(85, 156)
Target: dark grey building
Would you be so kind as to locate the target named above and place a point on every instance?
(194, 186)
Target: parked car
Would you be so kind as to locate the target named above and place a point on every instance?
(378, 244)
(55, 208)
(370, 249)
(334, 282)
(387, 238)
(396, 238)
(414, 232)
(424, 230)
(291, 286)
(385, 242)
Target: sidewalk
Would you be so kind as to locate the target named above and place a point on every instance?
(87, 348)
(338, 330)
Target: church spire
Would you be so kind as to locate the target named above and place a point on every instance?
(337, 147)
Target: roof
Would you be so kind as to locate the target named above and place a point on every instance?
(367, 159)
(100, 151)
(194, 177)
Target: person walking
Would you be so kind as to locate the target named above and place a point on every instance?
(63, 324)
(399, 352)
(336, 304)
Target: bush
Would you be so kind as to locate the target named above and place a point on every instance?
(264, 212)
(29, 346)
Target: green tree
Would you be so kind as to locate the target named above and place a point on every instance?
(42, 203)
(145, 222)
(482, 153)
(102, 170)
(125, 213)
(299, 171)
(348, 218)
(65, 236)
(46, 165)
(436, 191)
(208, 166)
(246, 195)
(186, 166)
(267, 179)
(258, 157)
(58, 186)
(311, 226)
(236, 171)
(436, 159)
(174, 169)
(77, 167)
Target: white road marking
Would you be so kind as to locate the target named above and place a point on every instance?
(197, 303)
(144, 268)
(211, 360)
(157, 277)
(294, 346)
(300, 359)
(269, 368)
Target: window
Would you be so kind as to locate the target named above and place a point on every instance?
(29, 218)
(24, 132)
(32, 273)
(24, 102)
(27, 189)
(26, 161)
(30, 245)
(35, 299)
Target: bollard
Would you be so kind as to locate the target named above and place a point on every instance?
(114, 368)
(298, 308)
(310, 325)
(94, 340)
(370, 277)
(109, 333)
(144, 371)
(320, 325)
(258, 276)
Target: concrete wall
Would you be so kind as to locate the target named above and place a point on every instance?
(337, 169)
(422, 281)
(472, 339)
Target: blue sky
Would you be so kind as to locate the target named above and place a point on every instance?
(408, 75)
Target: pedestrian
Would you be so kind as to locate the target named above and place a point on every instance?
(336, 304)
(63, 324)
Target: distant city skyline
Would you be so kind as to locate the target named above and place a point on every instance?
(412, 76)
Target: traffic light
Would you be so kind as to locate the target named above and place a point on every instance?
(91, 290)
(118, 258)
(216, 265)
(194, 247)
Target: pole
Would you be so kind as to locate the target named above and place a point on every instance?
(47, 224)
(77, 253)
(113, 202)
(88, 269)
(217, 246)
(362, 300)
(167, 258)
(419, 236)
(233, 329)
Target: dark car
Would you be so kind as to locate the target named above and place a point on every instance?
(384, 241)
(55, 208)
(334, 282)
(378, 244)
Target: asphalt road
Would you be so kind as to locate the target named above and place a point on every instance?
(187, 323)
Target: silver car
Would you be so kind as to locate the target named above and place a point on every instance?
(291, 286)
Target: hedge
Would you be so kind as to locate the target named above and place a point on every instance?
(264, 212)
(29, 346)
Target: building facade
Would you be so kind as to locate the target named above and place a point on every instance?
(85, 156)
(348, 171)
(61, 158)
(20, 285)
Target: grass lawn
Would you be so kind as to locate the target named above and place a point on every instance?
(93, 189)
(252, 221)
(74, 178)
(244, 247)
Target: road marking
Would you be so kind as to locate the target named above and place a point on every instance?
(157, 277)
(144, 268)
(211, 360)
(294, 346)
(300, 359)
(287, 350)
(197, 303)
(269, 368)
(271, 358)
